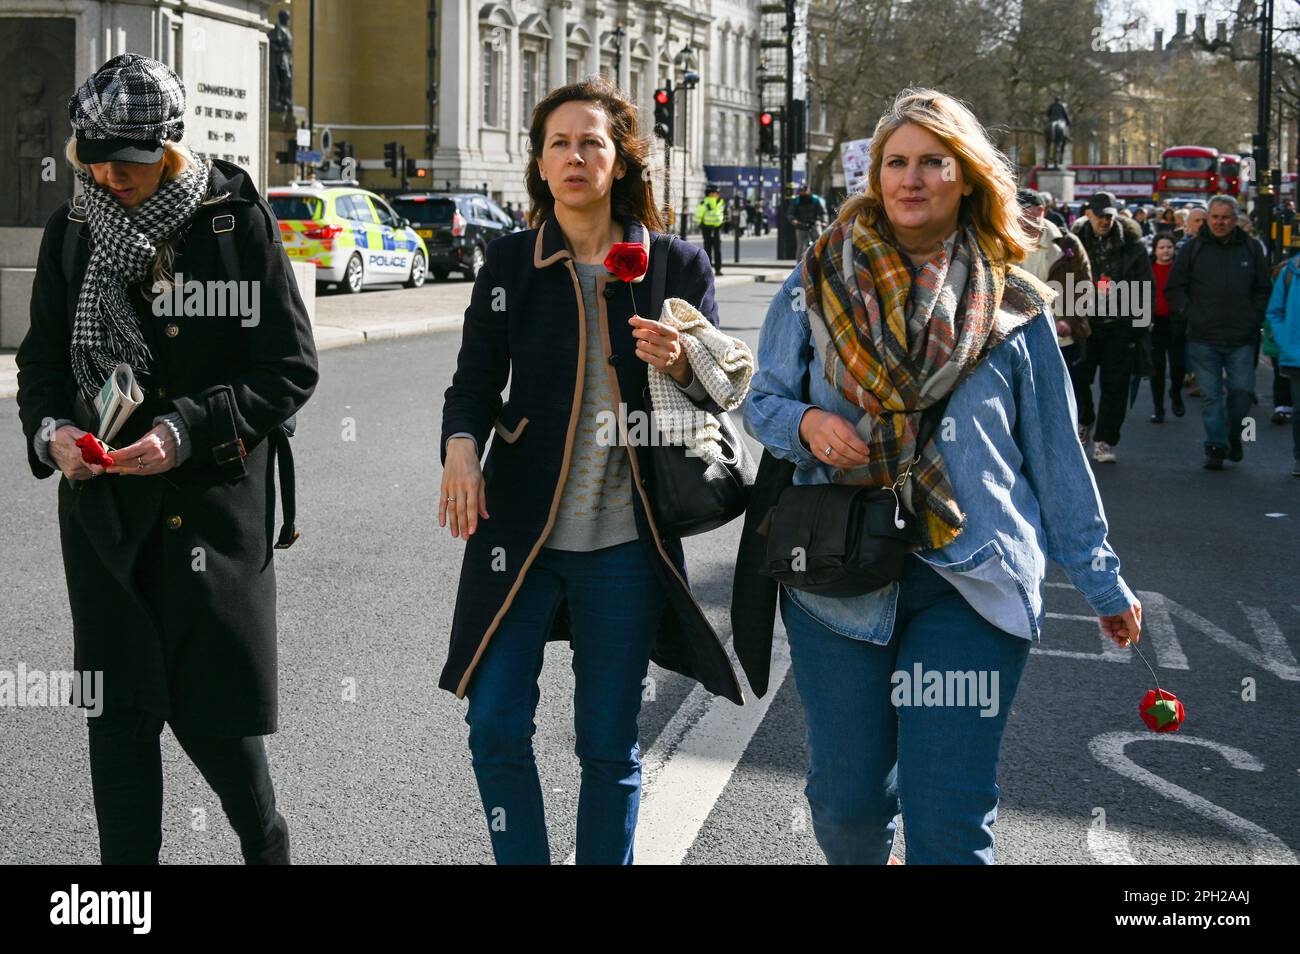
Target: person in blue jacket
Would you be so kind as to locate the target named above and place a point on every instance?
(1284, 321)
(911, 297)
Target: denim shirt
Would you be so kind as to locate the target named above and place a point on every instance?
(1010, 442)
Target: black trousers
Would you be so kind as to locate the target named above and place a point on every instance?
(126, 775)
(1282, 391)
(1110, 352)
(1167, 346)
(713, 245)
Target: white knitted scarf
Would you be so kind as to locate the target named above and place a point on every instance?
(723, 364)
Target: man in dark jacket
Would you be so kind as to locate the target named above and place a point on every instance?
(1123, 285)
(1218, 289)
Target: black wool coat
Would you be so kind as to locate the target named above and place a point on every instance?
(170, 577)
(526, 321)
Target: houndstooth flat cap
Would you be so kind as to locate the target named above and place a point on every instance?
(127, 109)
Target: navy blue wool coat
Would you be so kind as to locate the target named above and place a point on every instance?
(526, 322)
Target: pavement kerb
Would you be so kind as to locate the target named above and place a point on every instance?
(333, 336)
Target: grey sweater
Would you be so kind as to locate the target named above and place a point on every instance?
(596, 505)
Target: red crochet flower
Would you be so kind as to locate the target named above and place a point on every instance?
(1162, 711)
(92, 451)
(627, 260)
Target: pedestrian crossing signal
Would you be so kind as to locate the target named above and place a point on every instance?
(664, 114)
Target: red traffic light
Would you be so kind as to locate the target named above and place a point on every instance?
(765, 119)
(661, 96)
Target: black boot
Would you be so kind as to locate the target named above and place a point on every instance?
(1176, 403)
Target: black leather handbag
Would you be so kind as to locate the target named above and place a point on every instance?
(844, 539)
(690, 496)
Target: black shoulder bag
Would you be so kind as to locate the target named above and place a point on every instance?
(690, 496)
(844, 539)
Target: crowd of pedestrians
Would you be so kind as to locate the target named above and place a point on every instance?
(1215, 306)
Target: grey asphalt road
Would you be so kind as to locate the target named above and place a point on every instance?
(366, 596)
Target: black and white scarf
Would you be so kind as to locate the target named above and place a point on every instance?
(106, 330)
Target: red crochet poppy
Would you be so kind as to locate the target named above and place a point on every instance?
(92, 451)
(1162, 712)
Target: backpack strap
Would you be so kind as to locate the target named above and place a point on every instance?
(72, 238)
(223, 227)
(659, 274)
(282, 454)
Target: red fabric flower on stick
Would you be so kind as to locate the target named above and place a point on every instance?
(92, 451)
(627, 261)
(1160, 709)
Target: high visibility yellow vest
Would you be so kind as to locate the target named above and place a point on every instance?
(711, 211)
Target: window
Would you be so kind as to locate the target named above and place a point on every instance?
(634, 80)
(491, 85)
(1188, 163)
(571, 71)
(360, 209)
(295, 207)
(431, 211)
(722, 135)
(386, 216)
(737, 145)
(529, 83)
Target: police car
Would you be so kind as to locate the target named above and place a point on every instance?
(352, 236)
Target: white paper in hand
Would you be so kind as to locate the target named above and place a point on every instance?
(119, 396)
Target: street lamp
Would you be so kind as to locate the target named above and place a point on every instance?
(690, 79)
(761, 70)
(618, 51)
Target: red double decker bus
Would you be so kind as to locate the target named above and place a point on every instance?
(1230, 175)
(1189, 172)
(1129, 184)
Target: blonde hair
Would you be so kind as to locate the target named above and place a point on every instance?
(176, 160)
(991, 208)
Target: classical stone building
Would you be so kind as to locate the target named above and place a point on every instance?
(47, 47)
(455, 82)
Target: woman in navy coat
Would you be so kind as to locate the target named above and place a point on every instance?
(561, 542)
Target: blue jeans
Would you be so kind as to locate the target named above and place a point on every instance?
(615, 604)
(876, 748)
(1223, 417)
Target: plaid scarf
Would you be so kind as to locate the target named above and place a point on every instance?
(894, 350)
(106, 331)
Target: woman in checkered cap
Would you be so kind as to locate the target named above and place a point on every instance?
(168, 548)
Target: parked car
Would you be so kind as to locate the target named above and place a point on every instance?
(456, 228)
(352, 236)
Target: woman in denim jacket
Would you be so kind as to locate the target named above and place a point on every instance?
(910, 296)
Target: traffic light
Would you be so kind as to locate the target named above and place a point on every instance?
(766, 134)
(798, 126)
(664, 114)
(413, 171)
(342, 150)
(390, 157)
(290, 154)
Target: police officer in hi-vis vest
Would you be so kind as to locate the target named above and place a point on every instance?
(709, 216)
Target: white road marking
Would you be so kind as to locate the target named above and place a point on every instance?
(1110, 847)
(687, 769)
(1265, 847)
